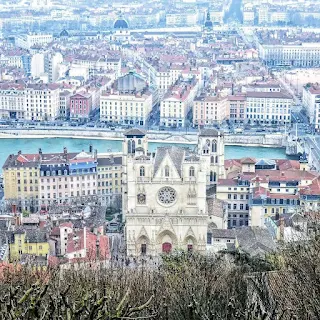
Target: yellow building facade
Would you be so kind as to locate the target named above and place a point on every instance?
(30, 242)
(20, 178)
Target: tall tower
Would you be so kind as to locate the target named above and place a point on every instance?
(135, 143)
(207, 29)
(211, 149)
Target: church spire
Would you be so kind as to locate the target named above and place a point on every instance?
(208, 23)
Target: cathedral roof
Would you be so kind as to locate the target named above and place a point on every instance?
(175, 153)
(209, 133)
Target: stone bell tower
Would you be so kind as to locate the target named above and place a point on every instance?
(211, 149)
(135, 143)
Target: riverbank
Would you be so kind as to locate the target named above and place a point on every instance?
(254, 140)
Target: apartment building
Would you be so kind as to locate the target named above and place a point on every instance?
(256, 189)
(66, 176)
(110, 180)
(64, 105)
(210, 109)
(12, 101)
(29, 102)
(237, 108)
(21, 179)
(297, 55)
(30, 40)
(128, 102)
(177, 102)
(96, 64)
(42, 101)
(37, 180)
(248, 14)
(311, 102)
(80, 106)
(268, 107)
(188, 18)
(28, 243)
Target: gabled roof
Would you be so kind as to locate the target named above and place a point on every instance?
(135, 132)
(255, 240)
(248, 161)
(209, 133)
(176, 155)
(266, 162)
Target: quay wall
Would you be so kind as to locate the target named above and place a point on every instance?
(258, 140)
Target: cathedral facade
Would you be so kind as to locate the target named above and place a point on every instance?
(165, 193)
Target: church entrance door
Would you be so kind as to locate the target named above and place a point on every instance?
(166, 247)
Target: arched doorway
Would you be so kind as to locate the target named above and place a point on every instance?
(167, 241)
(142, 245)
(166, 247)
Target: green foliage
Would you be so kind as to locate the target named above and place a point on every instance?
(25, 213)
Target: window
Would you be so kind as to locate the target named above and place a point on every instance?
(234, 206)
(209, 238)
(241, 206)
(229, 196)
(142, 171)
(191, 172)
(166, 171)
(214, 146)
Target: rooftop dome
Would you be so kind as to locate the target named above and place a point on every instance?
(64, 33)
(120, 23)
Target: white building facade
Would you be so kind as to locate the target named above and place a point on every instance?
(164, 197)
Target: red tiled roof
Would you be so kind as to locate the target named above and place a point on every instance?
(66, 224)
(283, 196)
(248, 160)
(278, 175)
(312, 189)
(232, 162)
(288, 164)
(55, 231)
(260, 191)
(227, 182)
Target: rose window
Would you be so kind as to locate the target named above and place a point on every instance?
(167, 195)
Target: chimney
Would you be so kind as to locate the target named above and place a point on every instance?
(95, 153)
(65, 151)
(19, 152)
(40, 151)
(282, 174)
(90, 148)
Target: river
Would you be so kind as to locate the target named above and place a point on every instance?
(48, 145)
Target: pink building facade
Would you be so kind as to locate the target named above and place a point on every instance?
(80, 106)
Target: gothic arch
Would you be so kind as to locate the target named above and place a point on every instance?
(166, 236)
(131, 146)
(142, 240)
(167, 171)
(212, 226)
(214, 146)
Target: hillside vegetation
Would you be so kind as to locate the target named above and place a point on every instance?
(226, 287)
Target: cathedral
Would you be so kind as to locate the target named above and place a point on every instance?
(165, 193)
